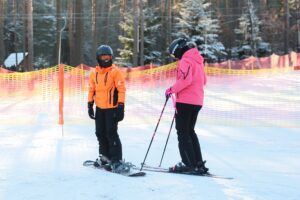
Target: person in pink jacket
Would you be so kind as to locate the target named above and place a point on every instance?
(189, 91)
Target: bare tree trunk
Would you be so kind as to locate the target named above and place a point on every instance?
(142, 33)
(252, 42)
(15, 39)
(71, 31)
(286, 27)
(226, 7)
(298, 26)
(2, 47)
(29, 35)
(135, 33)
(175, 2)
(107, 22)
(164, 30)
(25, 42)
(102, 12)
(94, 29)
(263, 4)
(78, 51)
(123, 7)
(229, 28)
(218, 4)
(169, 23)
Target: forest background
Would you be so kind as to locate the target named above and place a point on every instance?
(49, 32)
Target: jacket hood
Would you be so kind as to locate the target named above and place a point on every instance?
(103, 70)
(193, 54)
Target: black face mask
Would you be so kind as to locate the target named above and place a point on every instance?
(105, 63)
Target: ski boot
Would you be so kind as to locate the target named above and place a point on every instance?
(180, 168)
(201, 169)
(120, 167)
(102, 161)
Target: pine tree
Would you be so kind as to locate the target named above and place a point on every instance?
(195, 22)
(44, 32)
(152, 53)
(249, 32)
(126, 53)
(152, 25)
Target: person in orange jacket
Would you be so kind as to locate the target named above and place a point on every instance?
(107, 90)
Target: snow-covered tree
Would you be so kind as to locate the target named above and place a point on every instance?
(126, 52)
(249, 32)
(195, 22)
(151, 27)
(44, 33)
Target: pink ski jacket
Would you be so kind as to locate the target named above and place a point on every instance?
(191, 78)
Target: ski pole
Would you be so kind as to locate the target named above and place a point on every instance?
(167, 141)
(167, 98)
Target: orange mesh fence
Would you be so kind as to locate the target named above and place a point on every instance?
(250, 93)
(252, 63)
(27, 96)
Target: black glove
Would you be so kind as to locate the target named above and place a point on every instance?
(91, 110)
(120, 111)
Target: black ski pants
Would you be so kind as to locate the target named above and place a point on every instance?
(189, 146)
(107, 133)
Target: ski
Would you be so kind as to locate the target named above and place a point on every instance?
(135, 173)
(164, 170)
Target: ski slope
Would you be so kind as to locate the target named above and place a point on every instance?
(39, 163)
(42, 160)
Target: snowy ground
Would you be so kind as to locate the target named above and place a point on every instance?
(39, 163)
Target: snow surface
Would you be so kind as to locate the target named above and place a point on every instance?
(37, 162)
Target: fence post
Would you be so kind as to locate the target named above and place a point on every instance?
(61, 93)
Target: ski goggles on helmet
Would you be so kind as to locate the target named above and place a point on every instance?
(173, 57)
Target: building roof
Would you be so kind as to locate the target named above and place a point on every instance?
(11, 59)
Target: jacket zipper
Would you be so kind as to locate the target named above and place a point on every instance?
(105, 78)
(110, 96)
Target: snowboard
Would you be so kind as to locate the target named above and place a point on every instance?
(132, 173)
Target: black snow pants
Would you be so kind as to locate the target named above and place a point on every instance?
(188, 143)
(107, 134)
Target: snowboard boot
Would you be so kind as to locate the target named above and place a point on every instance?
(120, 167)
(102, 161)
(201, 169)
(179, 168)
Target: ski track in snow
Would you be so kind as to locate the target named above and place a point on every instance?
(37, 162)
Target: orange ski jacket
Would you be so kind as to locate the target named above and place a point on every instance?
(106, 87)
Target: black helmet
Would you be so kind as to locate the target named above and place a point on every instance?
(178, 47)
(104, 50)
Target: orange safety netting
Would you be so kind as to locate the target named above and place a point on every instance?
(250, 92)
